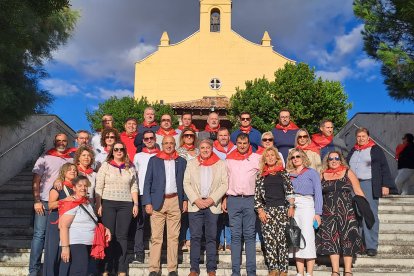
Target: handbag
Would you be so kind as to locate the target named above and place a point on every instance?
(294, 235)
(99, 240)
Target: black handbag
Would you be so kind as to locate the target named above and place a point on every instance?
(294, 235)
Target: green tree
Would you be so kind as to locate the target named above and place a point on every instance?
(123, 108)
(389, 38)
(30, 31)
(296, 87)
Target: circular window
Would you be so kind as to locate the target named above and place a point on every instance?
(215, 84)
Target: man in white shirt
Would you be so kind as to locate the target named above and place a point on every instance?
(107, 121)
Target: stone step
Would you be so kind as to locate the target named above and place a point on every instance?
(16, 242)
(10, 231)
(20, 204)
(396, 226)
(396, 236)
(397, 199)
(16, 196)
(396, 207)
(391, 216)
(385, 260)
(14, 212)
(396, 248)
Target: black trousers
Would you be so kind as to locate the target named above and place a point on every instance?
(142, 228)
(116, 216)
(79, 259)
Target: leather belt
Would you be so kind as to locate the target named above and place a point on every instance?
(241, 195)
(170, 195)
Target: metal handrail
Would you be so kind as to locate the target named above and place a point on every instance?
(21, 141)
(376, 142)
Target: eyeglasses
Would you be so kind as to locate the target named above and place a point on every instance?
(119, 149)
(245, 119)
(334, 158)
(165, 120)
(146, 139)
(61, 141)
(303, 136)
(110, 137)
(188, 135)
(267, 140)
(295, 157)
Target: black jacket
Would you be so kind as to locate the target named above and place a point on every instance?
(381, 175)
(363, 210)
(406, 158)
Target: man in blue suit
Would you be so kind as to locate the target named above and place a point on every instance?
(164, 201)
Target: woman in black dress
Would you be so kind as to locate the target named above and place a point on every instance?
(338, 233)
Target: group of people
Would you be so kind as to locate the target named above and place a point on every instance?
(230, 188)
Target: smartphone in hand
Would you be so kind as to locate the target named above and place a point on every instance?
(315, 224)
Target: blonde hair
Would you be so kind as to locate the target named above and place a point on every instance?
(268, 133)
(182, 136)
(262, 163)
(64, 169)
(79, 152)
(306, 162)
(325, 163)
(297, 134)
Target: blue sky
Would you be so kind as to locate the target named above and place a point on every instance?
(98, 61)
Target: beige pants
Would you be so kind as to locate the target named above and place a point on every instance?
(170, 213)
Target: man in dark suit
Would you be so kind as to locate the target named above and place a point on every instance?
(164, 201)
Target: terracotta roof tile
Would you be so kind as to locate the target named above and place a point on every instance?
(219, 102)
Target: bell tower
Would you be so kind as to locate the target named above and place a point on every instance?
(215, 16)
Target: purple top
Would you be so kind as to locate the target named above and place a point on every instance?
(308, 183)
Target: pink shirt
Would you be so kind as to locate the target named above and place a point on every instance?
(242, 175)
(48, 166)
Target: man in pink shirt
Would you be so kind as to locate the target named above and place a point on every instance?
(242, 167)
(45, 172)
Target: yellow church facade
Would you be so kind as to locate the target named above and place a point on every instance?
(211, 62)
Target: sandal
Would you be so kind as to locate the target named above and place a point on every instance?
(347, 273)
(333, 273)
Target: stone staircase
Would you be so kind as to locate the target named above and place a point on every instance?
(395, 257)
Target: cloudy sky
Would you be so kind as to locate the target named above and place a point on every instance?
(98, 62)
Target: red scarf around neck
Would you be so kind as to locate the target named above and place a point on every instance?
(274, 170)
(107, 149)
(65, 154)
(311, 146)
(209, 129)
(188, 147)
(336, 171)
(213, 159)
(192, 126)
(66, 205)
(120, 166)
(68, 184)
(166, 156)
(236, 155)
(295, 174)
(130, 136)
(321, 140)
(245, 129)
(163, 132)
(151, 151)
(260, 150)
(220, 148)
(367, 145)
(290, 126)
(86, 171)
(149, 125)
(400, 148)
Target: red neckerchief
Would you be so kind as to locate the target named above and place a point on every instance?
(267, 170)
(213, 159)
(107, 149)
(311, 146)
(209, 129)
(64, 154)
(295, 175)
(66, 205)
(321, 140)
(236, 155)
(151, 151)
(220, 148)
(192, 126)
(163, 132)
(367, 145)
(120, 166)
(149, 125)
(246, 129)
(166, 156)
(130, 136)
(290, 126)
(68, 184)
(336, 171)
(400, 149)
(188, 147)
(88, 171)
(260, 150)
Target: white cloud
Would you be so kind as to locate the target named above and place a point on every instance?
(339, 75)
(59, 87)
(347, 43)
(366, 63)
(106, 93)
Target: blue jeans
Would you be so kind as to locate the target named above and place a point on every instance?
(209, 220)
(242, 224)
(38, 241)
(370, 235)
(185, 229)
(223, 229)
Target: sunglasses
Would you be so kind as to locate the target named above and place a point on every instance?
(119, 149)
(245, 119)
(109, 137)
(146, 139)
(295, 157)
(303, 136)
(189, 135)
(334, 158)
(267, 140)
(165, 120)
